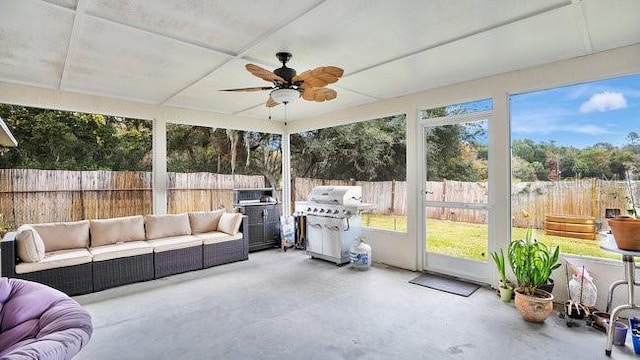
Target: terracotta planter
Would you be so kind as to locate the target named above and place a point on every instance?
(626, 232)
(536, 308)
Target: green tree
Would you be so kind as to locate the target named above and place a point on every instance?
(52, 139)
(372, 150)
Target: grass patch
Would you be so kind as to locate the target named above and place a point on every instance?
(468, 240)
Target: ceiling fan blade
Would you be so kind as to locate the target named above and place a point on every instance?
(319, 94)
(264, 74)
(320, 76)
(271, 103)
(257, 88)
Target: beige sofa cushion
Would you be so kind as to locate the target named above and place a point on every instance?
(230, 223)
(116, 230)
(217, 237)
(64, 235)
(174, 243)
(29, 244)
(56, 259)
(204, 221)
(116, 251)
(160, 226)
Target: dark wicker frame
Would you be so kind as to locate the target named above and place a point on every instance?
(177, 261)
(122, 271)
(72, 280)
(227, 251)
(223, 252)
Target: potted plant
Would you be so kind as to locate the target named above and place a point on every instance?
(505, 287)
(532, 263)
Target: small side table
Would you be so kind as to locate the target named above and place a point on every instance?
(629, 280)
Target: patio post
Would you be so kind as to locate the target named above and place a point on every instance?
(159, 145)
(286, 174)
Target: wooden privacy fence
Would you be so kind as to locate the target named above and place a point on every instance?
(38, 196)
(582, 198)
(35, 196)
(586, 198)
(206, 191)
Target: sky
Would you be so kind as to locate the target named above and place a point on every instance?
(579, 115)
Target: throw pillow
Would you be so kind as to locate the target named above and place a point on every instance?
(230, 223)
(29, 244)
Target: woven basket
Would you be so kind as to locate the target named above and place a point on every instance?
(626, 232)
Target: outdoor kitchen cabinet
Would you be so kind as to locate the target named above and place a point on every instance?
(264, 226)
(263, 217)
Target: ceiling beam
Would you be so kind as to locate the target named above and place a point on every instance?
(78, 19)
(582, 25)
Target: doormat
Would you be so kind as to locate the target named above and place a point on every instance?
(445, 284)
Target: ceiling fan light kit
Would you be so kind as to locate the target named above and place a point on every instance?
(288, 86)
(284, 96)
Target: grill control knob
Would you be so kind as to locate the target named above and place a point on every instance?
(309, 209)
(321, 211)
(336, 211)
(346, 212)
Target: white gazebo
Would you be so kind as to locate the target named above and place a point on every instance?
(167, 60)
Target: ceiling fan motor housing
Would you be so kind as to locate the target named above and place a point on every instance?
(285, 73)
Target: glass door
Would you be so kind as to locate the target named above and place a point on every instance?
(455, 191)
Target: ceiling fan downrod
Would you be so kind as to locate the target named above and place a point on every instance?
(285, 72)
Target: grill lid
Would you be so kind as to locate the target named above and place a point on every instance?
(338, 195)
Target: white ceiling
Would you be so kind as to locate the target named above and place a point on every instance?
(181, 53)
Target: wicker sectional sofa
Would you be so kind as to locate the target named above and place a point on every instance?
(92, 255)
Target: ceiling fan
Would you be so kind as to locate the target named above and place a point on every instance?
(288, 86)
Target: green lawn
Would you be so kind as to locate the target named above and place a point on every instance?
(469, 240)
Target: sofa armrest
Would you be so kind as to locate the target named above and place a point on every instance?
(244, 227)
(8, 258)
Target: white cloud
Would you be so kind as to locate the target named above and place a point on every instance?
(590, 130)
(604, 101)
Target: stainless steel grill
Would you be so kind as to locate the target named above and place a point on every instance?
(333, 221)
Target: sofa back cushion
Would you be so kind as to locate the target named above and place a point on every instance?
(116, 230)
(230, 223)
(29, 244)
(159, 226)
(205, 221)
(64, 235)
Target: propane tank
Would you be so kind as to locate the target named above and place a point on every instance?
(360, 255)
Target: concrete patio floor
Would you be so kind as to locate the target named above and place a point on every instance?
(287, 306)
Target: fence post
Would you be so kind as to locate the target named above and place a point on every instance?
(393, 197)
(444, 198)
(594, 195)
(13, 197)
(84, 212)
